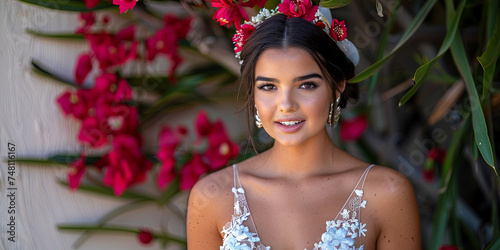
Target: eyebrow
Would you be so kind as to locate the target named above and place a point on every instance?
(297, 79)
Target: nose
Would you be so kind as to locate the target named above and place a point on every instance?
(287, 101)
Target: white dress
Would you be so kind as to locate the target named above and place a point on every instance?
(344, 232)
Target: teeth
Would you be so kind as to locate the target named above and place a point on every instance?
(290, 123)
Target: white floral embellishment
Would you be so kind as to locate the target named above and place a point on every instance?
(358, 192)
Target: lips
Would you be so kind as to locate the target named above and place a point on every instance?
(289, 125)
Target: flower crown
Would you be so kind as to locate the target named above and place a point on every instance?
(293, 8)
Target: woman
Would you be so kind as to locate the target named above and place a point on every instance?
(304, 192)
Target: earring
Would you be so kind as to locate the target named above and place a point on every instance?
(258, 123)
(335, 115)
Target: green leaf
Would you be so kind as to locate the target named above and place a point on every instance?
(423, 70)
(379, 8)
(417, 21)
(495, 244)
(41, 70)
(172, 190)
(381, 48)
(71, 36)
(109, 192)
(332, 4)
(445, 199)
(478, 121)
(78, 6)
(489, 58)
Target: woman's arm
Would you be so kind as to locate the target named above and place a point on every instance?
(397, 217)
(202, 216)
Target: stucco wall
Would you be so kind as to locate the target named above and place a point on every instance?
(30, 119)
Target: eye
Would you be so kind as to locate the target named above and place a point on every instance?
(266, 87)
(308, 85)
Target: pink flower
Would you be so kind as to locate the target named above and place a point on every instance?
(108, 86)
(220, 149)
(168, 142)
(111, 51)
(298, 8)
(79, 104)
(125, 4)
(191, 172)
(76, 171)
(87, 19)
(434, 156)
(202, 124)
(89, 4)
(83, 68)
(91, 133)
(242, 36)
(115, 118)
(127, 165)
(352, 129)
(165, 41)
(230, 12)
(145, 236)
(338, 31)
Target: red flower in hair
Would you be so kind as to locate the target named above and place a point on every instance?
(125, 4)
(242, 35)
(448, 247)
(298, 8)
(338, 30)
(230, 11)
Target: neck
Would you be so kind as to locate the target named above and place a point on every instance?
(307, 159)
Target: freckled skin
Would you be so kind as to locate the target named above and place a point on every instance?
(303, 181)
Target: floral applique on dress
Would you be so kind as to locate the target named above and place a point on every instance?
(342, 233)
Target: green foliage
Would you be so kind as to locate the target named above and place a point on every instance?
(417, 21)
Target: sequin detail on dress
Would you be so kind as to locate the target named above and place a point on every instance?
(342, 233)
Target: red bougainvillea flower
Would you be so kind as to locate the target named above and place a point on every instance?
(76, 171)
(117, 118)
(202, 124)
(125, 4)
(434, 156)
(108, 86)
(230, 12)
(449, 247)
(298, 8)
(83, 68)
(87, 19)
(220, 149)
(79, 104)
(191, 172)
(145, 236)
(352, 129)
(242, 35)
(168, 142)
(127, 165)
(91, 133)
(338, 31)
(165, 41)
(109, 50)
(89, 4)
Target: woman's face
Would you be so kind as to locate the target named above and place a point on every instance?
(292, 95)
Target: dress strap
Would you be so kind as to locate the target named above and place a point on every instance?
(237, 183)
(363, 176)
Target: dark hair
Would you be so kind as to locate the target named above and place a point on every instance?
(282, 32)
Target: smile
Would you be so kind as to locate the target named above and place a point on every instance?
(290, 123)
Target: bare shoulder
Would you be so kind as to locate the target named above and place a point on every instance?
(212, 193)
(392, 200)
(387, 181)
(209, 208)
